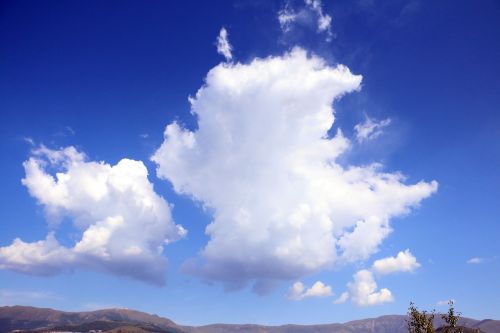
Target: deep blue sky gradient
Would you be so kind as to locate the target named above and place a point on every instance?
(99, 74)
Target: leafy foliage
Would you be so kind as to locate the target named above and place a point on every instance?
(451, 318)
(420, 321)
(423, 321)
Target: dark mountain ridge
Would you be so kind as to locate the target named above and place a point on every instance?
(125, 320)
(31, 318)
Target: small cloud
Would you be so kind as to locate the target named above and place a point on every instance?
(70, 130)
(286, 17)
(475, 260)
(403, 262)
(311, 15)
(319, 289)
(29, 140)
(296, 291)
(445, 302)
(363, 290)
(342, 298)
(144, 135)
(370, 129)
(324, 21)
(223, 46)
(64, 132)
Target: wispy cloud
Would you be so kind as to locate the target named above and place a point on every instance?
(311, 14)
(342, 298)
(324, 21)
(370, 129)
(476, 260)
(64, 132)
(70, 130)
(223, 46)
(29, 141)
(286, 17)
(445, 302)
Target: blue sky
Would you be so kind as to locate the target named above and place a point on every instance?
(269, 170)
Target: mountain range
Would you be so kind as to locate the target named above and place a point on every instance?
(31, 319)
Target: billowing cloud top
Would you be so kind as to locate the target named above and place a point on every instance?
(123, 223)
(263, 163)
(363, 290)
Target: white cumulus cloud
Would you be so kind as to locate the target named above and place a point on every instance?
(298, 291)
(370, 129)
(403, 262)
(122, 222)
(363, 290)
(262, 163)
(223, 46)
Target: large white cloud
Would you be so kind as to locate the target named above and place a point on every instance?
(405, 261)
(262, 162)
(123, 223)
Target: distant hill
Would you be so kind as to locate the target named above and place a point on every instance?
(383, 324)
(31, 318)
(129, 321)
(112, 327)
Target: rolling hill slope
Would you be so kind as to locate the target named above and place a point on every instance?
(131, 321)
